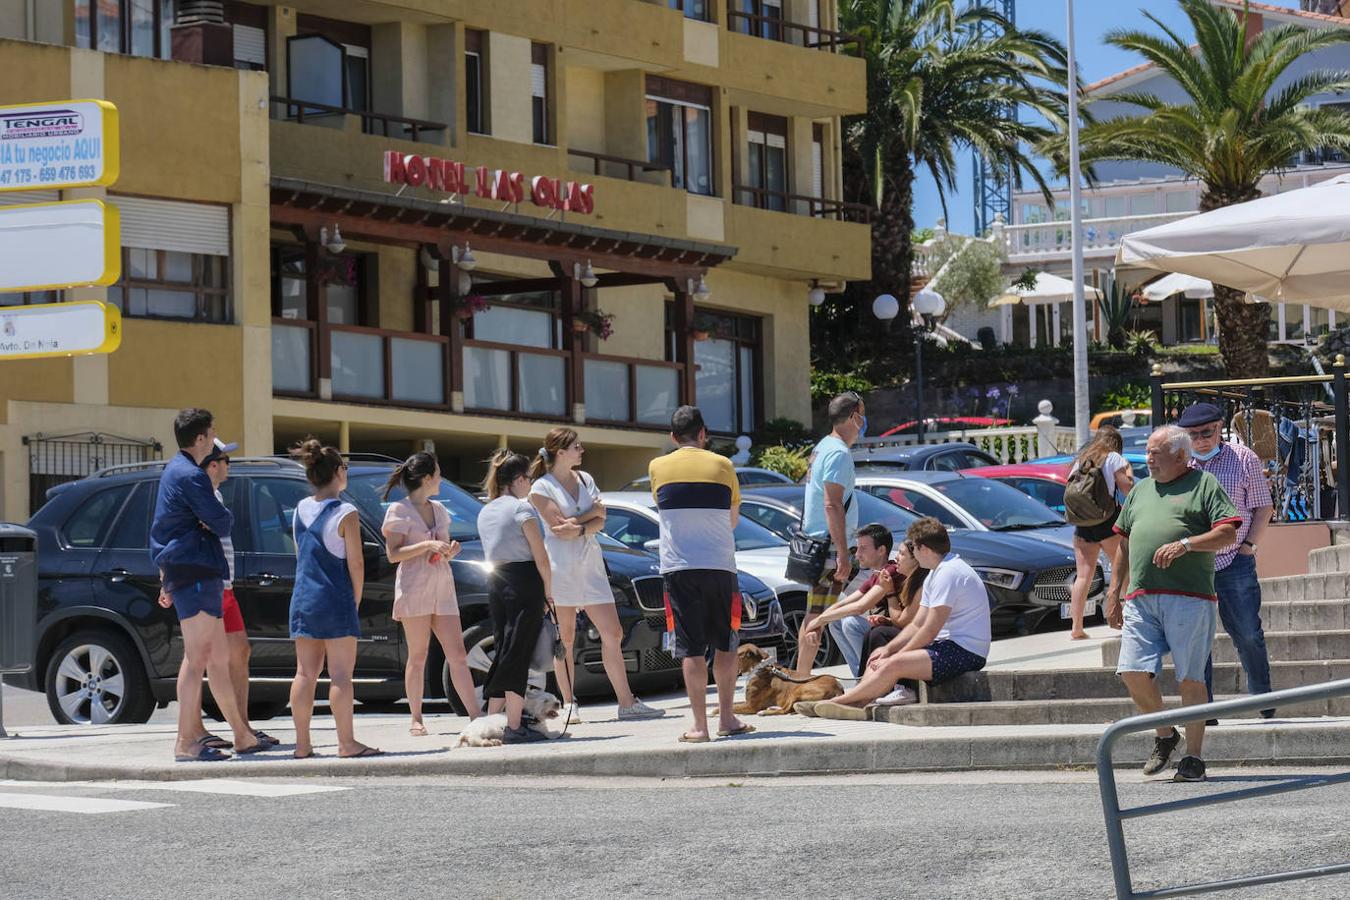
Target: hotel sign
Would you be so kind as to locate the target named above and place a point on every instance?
(450, 177)
(67, 144)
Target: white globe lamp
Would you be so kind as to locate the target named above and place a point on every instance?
(886, 307)
(928, 302)
(816, 295)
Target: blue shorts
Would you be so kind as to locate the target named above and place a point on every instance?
(950, 659)
(205, 596)
(1156, 624)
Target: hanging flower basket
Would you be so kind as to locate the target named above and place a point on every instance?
(596, 321)
(580, 327)
(702, 335)
(704, 328)
(467, 307)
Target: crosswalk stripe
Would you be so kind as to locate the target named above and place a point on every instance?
(228, 787)
(83, 805)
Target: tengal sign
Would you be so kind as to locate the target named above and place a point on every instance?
(59, 329)
(450, 177)
(65, 144)
(47, 246)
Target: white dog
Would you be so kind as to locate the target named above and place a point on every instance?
(487, 731)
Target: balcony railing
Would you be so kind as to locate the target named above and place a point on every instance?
(621, 390)
(622, 167)
(774, 28)
(366, 365)
(506, 378)
(802, 204)
(1054, 238)
(371, 122)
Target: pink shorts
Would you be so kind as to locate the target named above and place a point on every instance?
(229, 611)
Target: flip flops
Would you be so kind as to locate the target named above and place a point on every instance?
(203, 754)
(256, 748)
(687, 738)
(265, 738)
(215, 742)
(365, 752)
(745, 728)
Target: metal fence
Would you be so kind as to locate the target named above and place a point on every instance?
(1298, 426)
(55, 459)
(1115, 816)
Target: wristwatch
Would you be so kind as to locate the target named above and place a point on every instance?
(1186, 542)
(1250, 544)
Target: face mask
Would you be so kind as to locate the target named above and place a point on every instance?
(1206, 457)
(862, 430)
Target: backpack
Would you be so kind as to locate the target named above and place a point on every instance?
(1088, 499)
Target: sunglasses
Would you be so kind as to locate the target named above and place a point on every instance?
(1203, 434)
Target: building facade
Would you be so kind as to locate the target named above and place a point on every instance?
(401, 224)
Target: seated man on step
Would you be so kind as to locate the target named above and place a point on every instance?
(949, 636)
(850, 619)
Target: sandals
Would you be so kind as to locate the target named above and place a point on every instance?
(365, 752)
(745, 728)
(203, 754)
(688, 738)
(265, 738)
(417, 729)
(215, 742)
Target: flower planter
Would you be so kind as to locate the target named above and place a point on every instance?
(580, 327)
(702, 335)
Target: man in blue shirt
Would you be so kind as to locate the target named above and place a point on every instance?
(185, 543)
(831, 514)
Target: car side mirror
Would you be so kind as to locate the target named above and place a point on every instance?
(652, 546)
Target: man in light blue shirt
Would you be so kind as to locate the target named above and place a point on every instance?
(831, 514)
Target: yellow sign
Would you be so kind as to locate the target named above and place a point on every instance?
(48, 246)
(59, 329)
(64, 144)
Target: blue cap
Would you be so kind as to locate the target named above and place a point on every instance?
(1200, 414)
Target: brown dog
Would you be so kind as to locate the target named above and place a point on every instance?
(772, 690)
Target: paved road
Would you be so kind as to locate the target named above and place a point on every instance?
(977, 835)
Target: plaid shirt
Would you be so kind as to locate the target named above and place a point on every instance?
(1243, 476)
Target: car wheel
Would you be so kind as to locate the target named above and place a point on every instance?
(480, 649)
(793, 619)
(96, 678)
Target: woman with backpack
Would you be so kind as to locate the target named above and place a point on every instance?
(1098, 482)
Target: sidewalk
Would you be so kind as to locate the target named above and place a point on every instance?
(782, 745)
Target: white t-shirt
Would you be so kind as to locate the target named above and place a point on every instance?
(954, 584)
(1113, 463)
(227, 544)
(308, 509)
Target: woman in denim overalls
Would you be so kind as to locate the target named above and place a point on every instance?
(329, 576)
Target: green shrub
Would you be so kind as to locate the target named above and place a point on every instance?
(1140, 343)
(788, 432)
(790, 461)
(1126, 396)
(826, 385)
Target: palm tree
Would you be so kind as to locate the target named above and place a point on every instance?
(936, 86)
(1233, 128)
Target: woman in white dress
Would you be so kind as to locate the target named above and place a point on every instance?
(569, 503)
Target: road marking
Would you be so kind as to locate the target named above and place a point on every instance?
(228, 787)
(84, 805)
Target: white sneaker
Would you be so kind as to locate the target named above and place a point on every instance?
(570, 715)
(639, 710)
(901, 696)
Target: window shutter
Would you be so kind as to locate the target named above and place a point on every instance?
(250, 45)
(817, 169)
(174, 225)
(538, 81)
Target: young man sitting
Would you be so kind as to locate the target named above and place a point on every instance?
(949, 636)
(851, 618)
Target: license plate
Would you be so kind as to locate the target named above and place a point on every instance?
(1089, 609)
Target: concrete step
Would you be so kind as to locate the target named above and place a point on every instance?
(1322, 586)
(1094, 711)
(1289, 646)
(1335, 558)
(1078, 684)
(1304, 615)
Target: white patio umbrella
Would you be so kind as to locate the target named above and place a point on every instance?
(1293, 247)
(1049, 289)
(1176, 283)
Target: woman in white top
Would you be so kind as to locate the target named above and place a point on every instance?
(1103, 451)
(569, 503)
(417, 538)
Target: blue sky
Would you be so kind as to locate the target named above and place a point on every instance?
(1096, 60)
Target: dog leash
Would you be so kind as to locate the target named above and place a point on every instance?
(560, 655)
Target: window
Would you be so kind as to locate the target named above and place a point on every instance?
(818, 160)
(728, 363)
(780, 522)
(328, 62)
(631, 529)
(767, 160)
(539, 92)
(249, 24)
(762, 18)
(1180, 201)
(171, 284)
(273, 513)
(679, 132)
(132, 531)
(528, 320)
(87, 525)
(135, 27)
(343, 278)
(1143, 204)
(1115, 206)
(919, 504)
(692, 9)
(475, 81)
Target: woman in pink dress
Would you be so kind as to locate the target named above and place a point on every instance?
(417, 538)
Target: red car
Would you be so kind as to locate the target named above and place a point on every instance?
(1044, 481)
(947, 423)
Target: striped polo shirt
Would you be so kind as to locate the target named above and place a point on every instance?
(695, 491)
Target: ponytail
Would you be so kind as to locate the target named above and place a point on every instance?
(504, 467)
(556, 441)
(412, 472)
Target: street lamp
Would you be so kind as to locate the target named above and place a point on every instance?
(929, 304)
(1081, 410)
(885, 308)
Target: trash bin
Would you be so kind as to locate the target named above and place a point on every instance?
(18, 597)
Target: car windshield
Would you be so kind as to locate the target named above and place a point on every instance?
(750, 535)
(998, 506)
(367, 492)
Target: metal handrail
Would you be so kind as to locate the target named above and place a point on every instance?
(1106, 782)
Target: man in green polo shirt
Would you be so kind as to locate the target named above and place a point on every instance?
(1172, 523)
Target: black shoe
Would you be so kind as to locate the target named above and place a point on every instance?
(1191, 768)
(1162, 752)
(523, 735)
(1210, 723)
(1267, 713)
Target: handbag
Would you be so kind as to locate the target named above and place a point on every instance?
(548, 647)
(807, 556)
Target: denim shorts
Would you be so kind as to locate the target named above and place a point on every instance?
(206, 596)
(1156, 624)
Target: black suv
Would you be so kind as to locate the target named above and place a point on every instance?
(107, 652)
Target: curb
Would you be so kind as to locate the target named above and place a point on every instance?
(1285, 744)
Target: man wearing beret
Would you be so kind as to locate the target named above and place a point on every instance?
(1243, 477)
